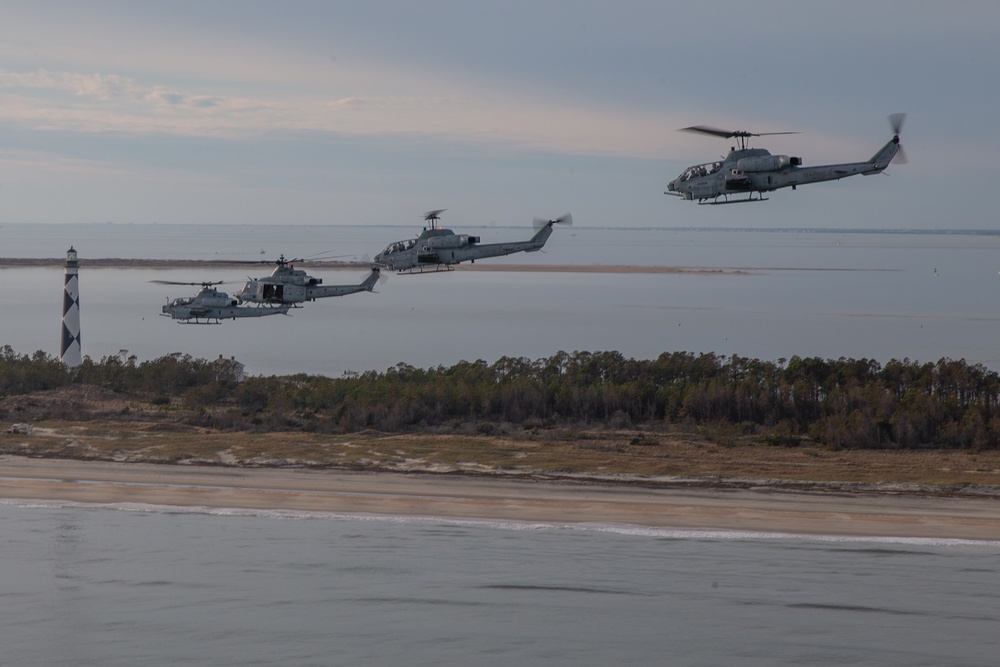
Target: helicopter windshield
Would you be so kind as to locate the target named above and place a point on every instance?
(399, 246)
(700, 170)
(182, 301)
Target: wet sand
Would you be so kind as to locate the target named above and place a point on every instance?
(493, 498)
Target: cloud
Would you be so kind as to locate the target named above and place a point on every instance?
(163, 97)
(99, 102)
(160, 95)
(99, 86)
(192, 81)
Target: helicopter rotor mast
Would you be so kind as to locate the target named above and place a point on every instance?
(431, 218)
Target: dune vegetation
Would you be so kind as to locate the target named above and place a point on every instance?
(682, 416)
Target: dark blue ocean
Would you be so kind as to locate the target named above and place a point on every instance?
(128, 585)
(769, 295)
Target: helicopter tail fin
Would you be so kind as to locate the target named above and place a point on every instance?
(372, 280)
(544, 228)
(881, 160)
(893, 148)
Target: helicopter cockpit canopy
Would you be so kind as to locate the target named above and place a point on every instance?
(182, 301)
(399, 246)
(700, 170)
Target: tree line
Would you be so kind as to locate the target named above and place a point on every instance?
(842, 403)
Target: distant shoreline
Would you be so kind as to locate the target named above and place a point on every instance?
(915, 231)
(122, 263)
(513, 267)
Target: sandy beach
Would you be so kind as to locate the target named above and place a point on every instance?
(467, 497)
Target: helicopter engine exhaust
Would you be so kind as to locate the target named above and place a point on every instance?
(767, 163)
(452, 241)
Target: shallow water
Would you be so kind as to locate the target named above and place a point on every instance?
(120, 585)
(880, 296)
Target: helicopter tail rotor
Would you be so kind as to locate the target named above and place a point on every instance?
(900, 157)
(896, 121)
(567, 220)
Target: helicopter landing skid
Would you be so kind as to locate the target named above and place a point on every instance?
(418, 270)
(732, 201)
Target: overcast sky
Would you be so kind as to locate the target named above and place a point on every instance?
(328, 112)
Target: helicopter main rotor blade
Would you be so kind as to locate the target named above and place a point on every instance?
(281, 261)
(175, 282)
(728, 134)
(705, 129)
(315, 257)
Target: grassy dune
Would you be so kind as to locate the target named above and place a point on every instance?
(605, 454)
(111, 427)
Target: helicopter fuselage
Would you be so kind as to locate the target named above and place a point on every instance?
(751, 170)
(438, 249)
(210, 304)
(291, 286)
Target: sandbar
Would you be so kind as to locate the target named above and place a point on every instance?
(764, 509)
(505, 267)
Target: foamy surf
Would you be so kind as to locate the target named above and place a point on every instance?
(510, 525)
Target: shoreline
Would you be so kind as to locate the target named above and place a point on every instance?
(639, 502)
(508, 267)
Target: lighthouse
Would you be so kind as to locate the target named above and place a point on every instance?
(69, 350)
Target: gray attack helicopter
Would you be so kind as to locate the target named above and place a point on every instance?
(210, 306)
(754, 170)
(437, 249)
(288, 285)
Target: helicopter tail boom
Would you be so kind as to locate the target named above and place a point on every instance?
(881, 160)
(372, 280)
(893, 149)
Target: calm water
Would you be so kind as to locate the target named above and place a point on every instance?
(142, 585)
(880, 296)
